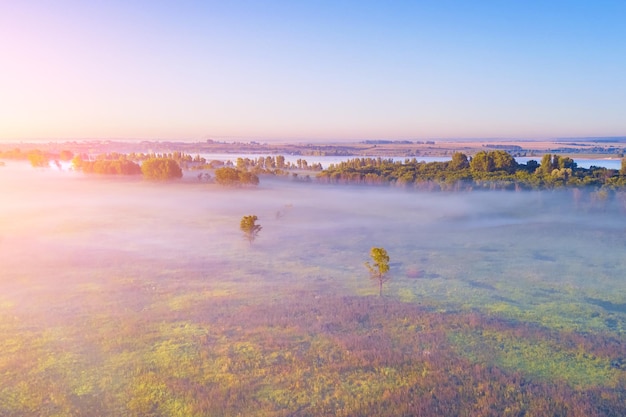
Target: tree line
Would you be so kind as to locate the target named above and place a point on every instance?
(37, 157)
(489, 169)
(495, 169)
(168, 165)
(275, 164)
(152, 168)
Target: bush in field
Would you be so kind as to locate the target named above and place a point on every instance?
(161, 169)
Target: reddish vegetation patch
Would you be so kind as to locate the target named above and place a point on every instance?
(415, 273)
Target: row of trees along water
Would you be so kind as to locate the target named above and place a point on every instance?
(115, 163)
(260, 165)
(495, 169)
(487, 169)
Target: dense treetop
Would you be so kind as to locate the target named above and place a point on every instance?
(119, 166)
(161, 169)
(235, 177)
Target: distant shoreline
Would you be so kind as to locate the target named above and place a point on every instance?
(576, 148)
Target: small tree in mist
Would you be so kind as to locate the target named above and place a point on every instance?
(249, 227)
(379, 268)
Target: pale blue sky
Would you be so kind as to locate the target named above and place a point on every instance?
(314, 70)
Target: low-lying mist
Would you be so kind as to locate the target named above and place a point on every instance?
(523, 251)
(124, 297)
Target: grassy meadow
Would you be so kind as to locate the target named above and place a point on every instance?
(133, 298)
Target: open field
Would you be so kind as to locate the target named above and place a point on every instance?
(518, 148)
(133, 298)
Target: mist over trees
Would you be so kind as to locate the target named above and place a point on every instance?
(159, 169)
(487, 169)
(37, 157)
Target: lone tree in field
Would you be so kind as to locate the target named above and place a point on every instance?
(380, 267)
(249, 227)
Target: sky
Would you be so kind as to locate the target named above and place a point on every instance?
(311, 70)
